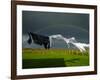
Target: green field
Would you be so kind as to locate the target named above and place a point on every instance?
(41, 58)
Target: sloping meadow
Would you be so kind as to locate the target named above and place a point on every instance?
(41, 58)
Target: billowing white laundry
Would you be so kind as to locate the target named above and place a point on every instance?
(72, 40)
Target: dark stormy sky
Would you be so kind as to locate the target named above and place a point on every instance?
(51, 23)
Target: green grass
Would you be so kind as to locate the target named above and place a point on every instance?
(43, 63)
(39, 58)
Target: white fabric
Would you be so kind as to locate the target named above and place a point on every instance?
(80, 46)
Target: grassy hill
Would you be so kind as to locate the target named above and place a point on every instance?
(41, 58)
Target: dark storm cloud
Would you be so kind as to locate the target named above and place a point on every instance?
(50, 23)
(34, 21)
